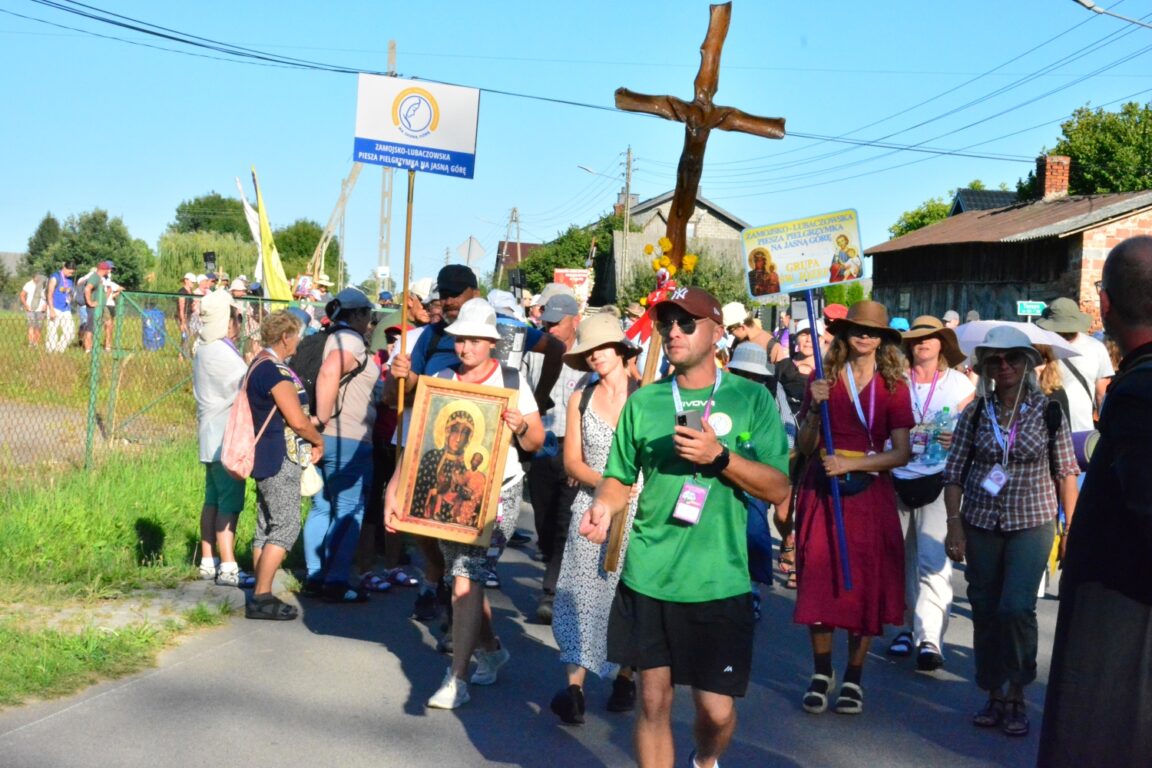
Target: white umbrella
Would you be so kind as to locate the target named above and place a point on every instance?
(971, 335)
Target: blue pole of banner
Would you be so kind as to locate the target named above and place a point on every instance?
(826, 426)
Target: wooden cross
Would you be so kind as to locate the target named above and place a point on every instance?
(699, 116)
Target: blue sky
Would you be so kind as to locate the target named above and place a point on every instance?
(90, 122)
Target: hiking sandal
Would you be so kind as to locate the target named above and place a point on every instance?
(270, 608)
(901, 645)
(851, 700)
(816, 697)
(991, 714)
(1015, 720)
(787, 560)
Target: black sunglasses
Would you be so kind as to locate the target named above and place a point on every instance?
(1013, 359)
(687, 325)
(864, 332)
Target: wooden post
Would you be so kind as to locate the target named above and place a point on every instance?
(404, 307)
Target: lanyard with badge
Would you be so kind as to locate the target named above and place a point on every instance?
(997, 477)
(855, 395)
(921, 434)
(690, 502)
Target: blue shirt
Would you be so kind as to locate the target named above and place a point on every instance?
(62, 296)
(429, 362)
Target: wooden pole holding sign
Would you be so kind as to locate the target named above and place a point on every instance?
(404, 307)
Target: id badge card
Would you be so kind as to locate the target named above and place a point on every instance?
(920, 439)
(995, 480)
(690, 503)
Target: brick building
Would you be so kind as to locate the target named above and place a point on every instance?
(989, 259)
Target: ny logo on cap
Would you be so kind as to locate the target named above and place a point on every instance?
(679, 293)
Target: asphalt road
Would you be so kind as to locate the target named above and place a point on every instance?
(346, 685)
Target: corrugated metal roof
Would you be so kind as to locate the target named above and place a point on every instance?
(1024, 221)
(980, 200)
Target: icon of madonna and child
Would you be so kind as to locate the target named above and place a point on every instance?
(451, 479)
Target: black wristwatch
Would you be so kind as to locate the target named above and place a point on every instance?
(720, 463)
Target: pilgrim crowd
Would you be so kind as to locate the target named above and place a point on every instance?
(885, 452)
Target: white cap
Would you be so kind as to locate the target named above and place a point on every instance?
(477, 320)
(504, 301)
(239, 284)
(734, 313)
(422, 288)
(190, 276)
(803, 325)
(201, 278)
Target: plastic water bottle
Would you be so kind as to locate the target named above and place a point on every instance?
(943, 423)
(744, 444)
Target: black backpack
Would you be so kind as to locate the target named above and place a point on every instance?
(308, 358)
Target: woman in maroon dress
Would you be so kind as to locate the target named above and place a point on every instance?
(869, 405)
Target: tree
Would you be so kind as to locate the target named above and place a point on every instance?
(569, 250)
(46, 235)
(1110, 151)
(930, 211)
(92, 237)
(296, 242)
(846, 294)
(181, 252)
(212, 213)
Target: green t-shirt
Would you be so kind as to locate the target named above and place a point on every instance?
(674, 561)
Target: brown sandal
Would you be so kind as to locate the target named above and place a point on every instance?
(991, 714)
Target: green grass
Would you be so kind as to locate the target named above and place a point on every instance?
(205, 615)
(47, 663)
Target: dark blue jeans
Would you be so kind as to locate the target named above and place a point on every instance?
(332, 529)
(1003, 573)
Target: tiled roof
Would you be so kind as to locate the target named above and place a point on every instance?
(1024, 221)
(720, 213)
(980, 200)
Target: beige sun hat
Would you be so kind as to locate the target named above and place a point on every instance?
(929, 327)
(867, 314)
(600, 330)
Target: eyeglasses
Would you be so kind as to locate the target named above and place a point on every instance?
(863, 332)
(1099, 285)
(1013, 359)
(687, 325)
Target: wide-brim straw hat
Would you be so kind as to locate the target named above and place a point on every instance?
(600, 330)
(1004, 337)
(929, 327)
(867, 314)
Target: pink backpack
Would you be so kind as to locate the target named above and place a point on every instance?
(239, 453)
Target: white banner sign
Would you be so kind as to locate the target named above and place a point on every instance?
(416, 125)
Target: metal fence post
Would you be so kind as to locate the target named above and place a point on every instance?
(95, 320)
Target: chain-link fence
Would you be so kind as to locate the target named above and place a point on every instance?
(74, 386)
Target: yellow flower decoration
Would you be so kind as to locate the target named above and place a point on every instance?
(643, 301)
(671, 270)
(665, 261)
(665, 244)
(655, 265)
(690, 259)
(648, 249)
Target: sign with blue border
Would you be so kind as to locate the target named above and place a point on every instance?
(414, 125)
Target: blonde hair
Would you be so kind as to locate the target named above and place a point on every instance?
(1049, 379)
(890, 361)
(278, 325)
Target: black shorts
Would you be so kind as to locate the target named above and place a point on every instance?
(707, 645)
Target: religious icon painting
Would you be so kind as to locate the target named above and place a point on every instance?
(453, 462)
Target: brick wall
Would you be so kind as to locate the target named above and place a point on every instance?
(1052, 175)
(1096, 245)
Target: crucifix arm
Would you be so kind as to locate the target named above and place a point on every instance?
(667, 107)
(736, 120)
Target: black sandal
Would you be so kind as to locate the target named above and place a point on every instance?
(1015, 720)
(269, 607)
(901, 645)
(991, 714)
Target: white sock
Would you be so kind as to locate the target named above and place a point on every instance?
(229, 567)
(208, 564)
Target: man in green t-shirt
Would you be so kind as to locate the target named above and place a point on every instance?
(683, 613)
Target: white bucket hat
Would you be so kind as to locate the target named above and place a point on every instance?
(476, 320)
(1004, 337)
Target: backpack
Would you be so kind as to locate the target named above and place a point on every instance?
(308, 359)
(239, 452)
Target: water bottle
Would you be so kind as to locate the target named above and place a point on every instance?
(943, 423)
(744, 444)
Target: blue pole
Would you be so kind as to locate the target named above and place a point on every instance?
(826, 426)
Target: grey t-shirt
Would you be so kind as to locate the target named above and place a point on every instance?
(355, 399)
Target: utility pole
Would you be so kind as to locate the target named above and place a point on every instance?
(447, 255)
(627, 207)
(502, 259)
(384, 255)
(519, 250)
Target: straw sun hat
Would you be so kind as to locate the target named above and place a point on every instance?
(929, 327)
(600, 330)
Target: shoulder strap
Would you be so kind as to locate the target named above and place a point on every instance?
(586, 395)
(511, 376)
(979, 403)
(1053, 418)
(1083, 382)
(435, 334)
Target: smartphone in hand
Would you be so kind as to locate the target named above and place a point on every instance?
(690, 419)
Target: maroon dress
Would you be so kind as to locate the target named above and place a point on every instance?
(871, 523)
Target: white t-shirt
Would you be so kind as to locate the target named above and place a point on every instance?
(29, 290)
(1094, 364)
(951, 388)
(217, 370)
(526, 404)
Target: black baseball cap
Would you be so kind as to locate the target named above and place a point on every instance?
(454, 279)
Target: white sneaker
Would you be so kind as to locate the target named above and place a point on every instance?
(236, 578)
(207, 574)
(452, 694)
(488, 664)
